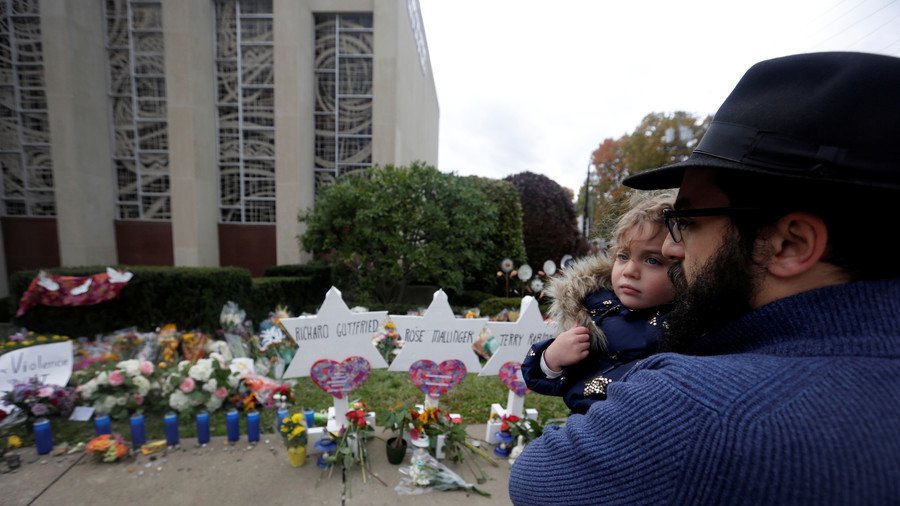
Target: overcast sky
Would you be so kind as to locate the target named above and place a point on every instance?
(535, 86)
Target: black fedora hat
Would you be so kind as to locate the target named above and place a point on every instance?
(826, 117)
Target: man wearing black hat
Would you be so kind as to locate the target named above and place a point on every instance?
(782, 381)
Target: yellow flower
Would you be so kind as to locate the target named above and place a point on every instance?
(41, 338)
(297, 431)
(390, 326)
(27, 343)
(296, 418)
(14, 441)
(284, 427)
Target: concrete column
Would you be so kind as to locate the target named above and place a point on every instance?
(75, 71)
(191, 93)
(294, 105)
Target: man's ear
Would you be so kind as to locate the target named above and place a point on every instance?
(796, 244)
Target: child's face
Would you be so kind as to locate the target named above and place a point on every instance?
(639, 274)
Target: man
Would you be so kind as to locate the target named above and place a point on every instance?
(782, 385)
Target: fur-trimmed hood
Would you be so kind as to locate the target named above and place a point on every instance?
(568, 292)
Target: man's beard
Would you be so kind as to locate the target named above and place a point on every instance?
(721, 292)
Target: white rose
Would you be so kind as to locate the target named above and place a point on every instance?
(130, 367)
(142, 384)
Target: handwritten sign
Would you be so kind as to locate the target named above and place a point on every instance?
(334, 333)
(49, 363)
(437, 335)
(515, 338)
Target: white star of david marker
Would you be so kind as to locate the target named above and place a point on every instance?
(437, 335)
(334, 333)
(516, 337)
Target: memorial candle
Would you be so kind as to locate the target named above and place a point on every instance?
(43, 440)
(310, 418)
(232, 425)
(203, 427)
(102, 425)
(171, 426)
(253, 426)
(281, 415)
(138, 436)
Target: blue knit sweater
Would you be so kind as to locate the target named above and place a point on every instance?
(797, 402)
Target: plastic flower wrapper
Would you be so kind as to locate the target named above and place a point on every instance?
(425, 474)
(236, 329)
(125, 343)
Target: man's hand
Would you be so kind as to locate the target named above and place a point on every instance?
(568, 348)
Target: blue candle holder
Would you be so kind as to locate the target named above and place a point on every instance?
(310, 416)
(325, 445)
(503, 449)
(253, 427)
(43, 439)
(138, 435)
(232, 424)
(202, 427)
(170, 421)
(102, 425)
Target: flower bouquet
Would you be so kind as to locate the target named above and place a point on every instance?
(24, 338)
(236, 329)
(121, 390)
(425, 474)
(274, 342)
(388, 343)
(38, 400)
(107, 448)
(457, 444)
(352, 442)
(201, 385)
(293, 432)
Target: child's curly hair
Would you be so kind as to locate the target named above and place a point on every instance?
(644, 216)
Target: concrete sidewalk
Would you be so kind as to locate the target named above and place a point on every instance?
(225, 474)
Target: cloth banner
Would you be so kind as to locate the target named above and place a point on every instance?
(52, 290)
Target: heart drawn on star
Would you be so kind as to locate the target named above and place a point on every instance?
(436, 380)
(340, 378)
(511, 376)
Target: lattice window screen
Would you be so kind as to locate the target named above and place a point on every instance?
(27, 180)
(134, 44)
(343, 114)
(245, 111)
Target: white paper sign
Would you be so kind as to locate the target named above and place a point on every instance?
(516, 337)
(437, 335)
(334, 333)
(49, 363)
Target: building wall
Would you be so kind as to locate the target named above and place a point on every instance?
(87, 230)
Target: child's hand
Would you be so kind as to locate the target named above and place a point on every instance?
(568, 348)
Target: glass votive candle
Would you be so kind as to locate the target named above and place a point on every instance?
(253, 426)
(43, 439)
(102, 425)
(170, 422)
(232, 425)
(202, 427)
(138, 434)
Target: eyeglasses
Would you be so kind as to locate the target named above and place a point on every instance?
(676, 223)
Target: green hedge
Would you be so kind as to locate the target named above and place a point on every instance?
(493, 307)
(299, 293)
(190, 297)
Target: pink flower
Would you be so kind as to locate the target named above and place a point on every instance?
(45, 391)
(116, 378)
(187, 386)
(138, 399)
(221, 392)
(146, 368)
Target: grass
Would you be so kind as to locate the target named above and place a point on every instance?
(383, 392)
